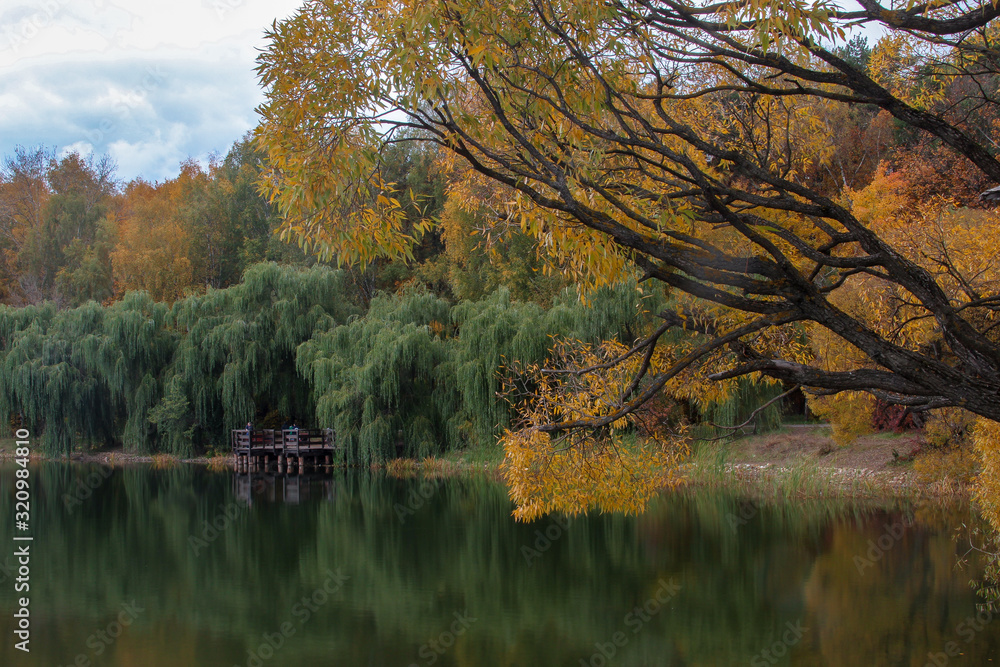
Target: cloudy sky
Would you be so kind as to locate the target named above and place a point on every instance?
(150, 82)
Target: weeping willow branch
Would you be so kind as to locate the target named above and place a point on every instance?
(753, 415)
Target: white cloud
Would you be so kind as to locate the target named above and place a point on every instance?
(149, 83)
(165, 147)
(80, 147)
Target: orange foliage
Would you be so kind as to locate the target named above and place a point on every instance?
(986, 438)
(953, 243)
(580, 470)
(152, 249)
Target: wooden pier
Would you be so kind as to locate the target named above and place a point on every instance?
(290, 450)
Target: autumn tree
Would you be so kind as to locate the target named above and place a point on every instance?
(413, 182)
(23, 194)
(677, 138)
(64, 252)
(485, 249)
(199, 208)
(249, 216)
(52, 216)
(152, 252)
(201, 229)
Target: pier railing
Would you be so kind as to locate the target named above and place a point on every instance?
(291, 448)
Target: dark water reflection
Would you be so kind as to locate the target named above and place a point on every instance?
(360, 569)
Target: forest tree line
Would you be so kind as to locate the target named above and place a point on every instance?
(412, 375)
(72, 232)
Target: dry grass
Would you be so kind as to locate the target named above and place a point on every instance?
(814, 443)
(432, 466)
(435, 467)
(221, 462)
(402, 468)
(163, 461)
(804, 461)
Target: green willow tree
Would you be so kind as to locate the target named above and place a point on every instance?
(84, 375)
(128, 355)
(152, 377)
(235, 360)
(414, 375)
(44, 376)
(417, 376)
(378, 379)
(499, 336)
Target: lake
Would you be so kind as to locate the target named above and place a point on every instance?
(184, 566)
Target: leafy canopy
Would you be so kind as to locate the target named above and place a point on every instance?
(681, 138)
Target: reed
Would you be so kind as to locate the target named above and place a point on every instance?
(164, 461)
(220, 463)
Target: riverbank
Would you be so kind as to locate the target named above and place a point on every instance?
(804, 461)
(795, 461)
(116, 456)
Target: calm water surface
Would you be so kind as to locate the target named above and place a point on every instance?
(127, 569)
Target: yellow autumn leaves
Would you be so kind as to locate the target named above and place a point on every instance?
(572, 472)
